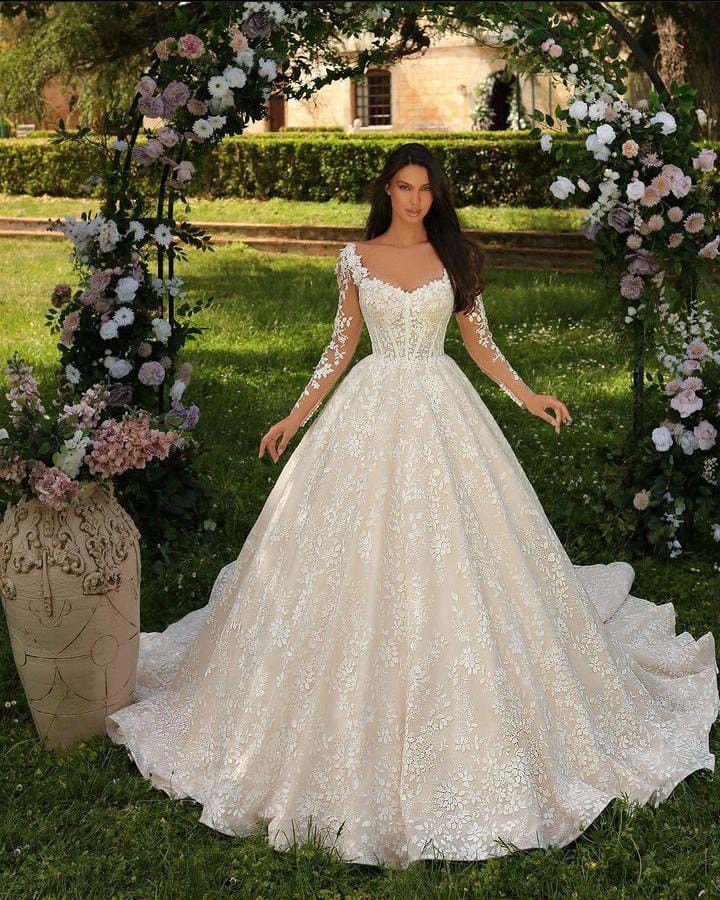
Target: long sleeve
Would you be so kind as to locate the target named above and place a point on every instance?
(479, 342)
(343, 343)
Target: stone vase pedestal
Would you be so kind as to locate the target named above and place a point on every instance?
(70, 589)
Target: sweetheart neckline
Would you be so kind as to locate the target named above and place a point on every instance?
(368, 277)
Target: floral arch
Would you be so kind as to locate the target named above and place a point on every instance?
(653, 219)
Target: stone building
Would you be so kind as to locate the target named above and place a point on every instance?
(456, 84)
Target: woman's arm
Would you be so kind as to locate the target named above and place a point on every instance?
(479, 343)
(338, 353)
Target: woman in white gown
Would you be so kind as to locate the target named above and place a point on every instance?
(402, 660)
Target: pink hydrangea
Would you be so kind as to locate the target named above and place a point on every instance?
(14, 468)
(23, 395)
(119, 445)
(51, 485)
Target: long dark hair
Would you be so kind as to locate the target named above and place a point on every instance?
(462, 257)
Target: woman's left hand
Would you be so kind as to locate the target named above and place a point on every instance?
(540, 402)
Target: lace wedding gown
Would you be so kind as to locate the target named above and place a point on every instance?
(402, 659)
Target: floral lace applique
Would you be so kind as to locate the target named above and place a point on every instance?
(343, 343)
(483, 349)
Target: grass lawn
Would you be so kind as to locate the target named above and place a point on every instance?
(287, 212)
(85, 823)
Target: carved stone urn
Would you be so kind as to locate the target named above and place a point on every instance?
(70, 589)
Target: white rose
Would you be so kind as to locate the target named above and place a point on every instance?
(235, 76)
(120, 368)
(583, 185)
(662, 438)
(666, 120)
(108, 330)
(562, 187)
(162, 329)
(546, 142)
(578, 110)
(605, 134)
(4, 435)
(126, 288)
(176, 391)
(635, 190)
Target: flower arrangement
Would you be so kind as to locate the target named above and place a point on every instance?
(48, 454)
(654, 221)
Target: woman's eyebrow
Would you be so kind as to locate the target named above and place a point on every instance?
(426, 184)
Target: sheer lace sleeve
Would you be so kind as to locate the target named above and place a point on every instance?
(343, 343)
(479, 342)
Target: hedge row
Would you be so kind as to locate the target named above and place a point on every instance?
(483, 171)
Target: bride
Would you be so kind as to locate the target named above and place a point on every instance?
(403, 660)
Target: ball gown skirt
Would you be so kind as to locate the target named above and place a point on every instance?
(402, 659)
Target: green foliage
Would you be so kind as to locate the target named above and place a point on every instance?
(484, 170)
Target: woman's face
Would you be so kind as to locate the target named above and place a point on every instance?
(410, 193)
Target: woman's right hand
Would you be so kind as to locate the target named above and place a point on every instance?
(284, 429)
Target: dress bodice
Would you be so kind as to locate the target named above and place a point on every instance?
(401, 323)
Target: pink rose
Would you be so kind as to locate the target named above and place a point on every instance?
(163, 48)
(146, 86)
(705, 160)
(168, 137)
(688, 366)
(710, 250)
(706, 433)
(555, 51)
(150, 106)
(681, 186)
(641, 500)
(190, 46)
(686, 403)
(630, 149)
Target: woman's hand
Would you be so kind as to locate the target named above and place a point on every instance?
(538, 403)
(284, 429)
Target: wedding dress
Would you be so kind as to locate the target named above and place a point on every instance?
(402, 660)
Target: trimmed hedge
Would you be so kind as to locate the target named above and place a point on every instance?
(485, 170)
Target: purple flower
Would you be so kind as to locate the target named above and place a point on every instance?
(619, 218)
(642, 263)
(151, 373)
(120, 395)
(257, 24)
(150, 106)
(592, 230)
(187, 416)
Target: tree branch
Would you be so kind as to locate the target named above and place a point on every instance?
(634, 46)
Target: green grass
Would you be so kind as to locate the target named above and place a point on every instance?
(85, 824)
(288, 212)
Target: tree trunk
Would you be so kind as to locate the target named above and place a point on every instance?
(687, 35)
